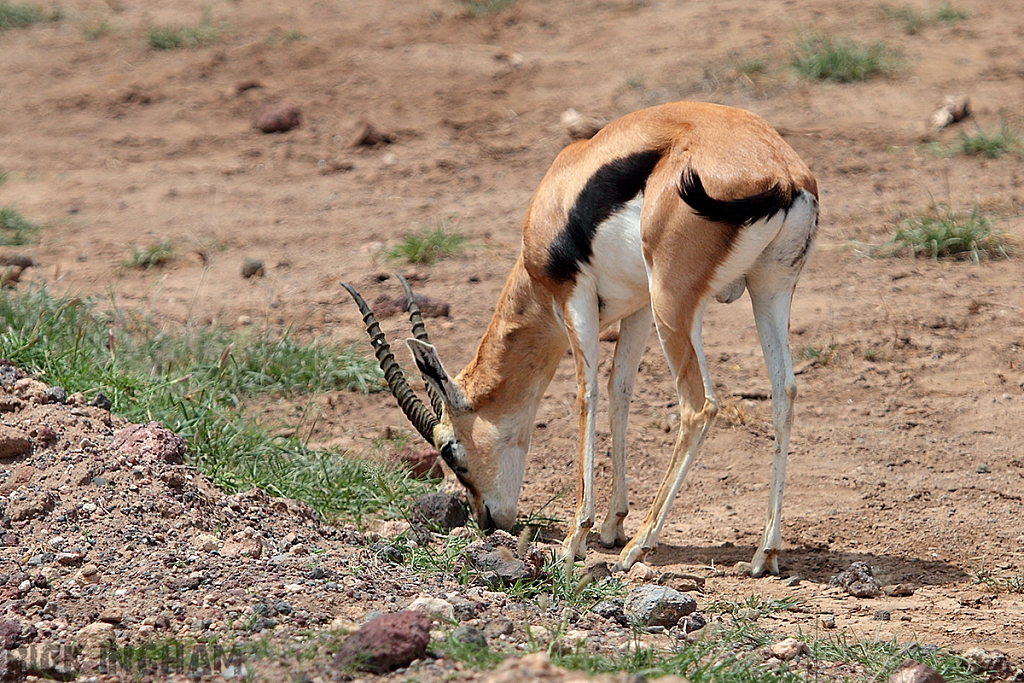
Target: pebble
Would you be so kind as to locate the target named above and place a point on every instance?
(788, 649)
(433, 607)
(657, 605)
(641, 572)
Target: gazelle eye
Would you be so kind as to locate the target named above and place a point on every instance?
(447, 455)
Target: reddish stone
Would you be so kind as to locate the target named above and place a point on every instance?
(915, 672)
(151, 441)
(276, 117)
(386, 643)
(422, 463)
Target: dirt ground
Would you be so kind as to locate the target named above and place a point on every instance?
(907, 448)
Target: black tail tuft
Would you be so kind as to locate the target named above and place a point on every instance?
(743, 211)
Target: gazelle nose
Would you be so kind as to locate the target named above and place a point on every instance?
(485, 520)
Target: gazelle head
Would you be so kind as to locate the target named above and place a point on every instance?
(475, 444)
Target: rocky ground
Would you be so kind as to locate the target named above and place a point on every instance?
(122, 562)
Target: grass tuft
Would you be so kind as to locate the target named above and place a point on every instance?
(428, 245)
(990, 145)
(153, 256)
(97, 30)
(480, 8)
(940, 231)
(176, 37)
(914, 21)
(15, 229)
(18, 15)
(824, 58)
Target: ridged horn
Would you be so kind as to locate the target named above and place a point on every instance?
(410, 404)
(419, 330)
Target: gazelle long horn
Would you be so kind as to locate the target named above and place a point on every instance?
(419, 330)
(410, 404)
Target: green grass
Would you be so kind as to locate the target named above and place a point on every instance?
(824, 354)
(752, 66)
(153, 256)
(480, 8)
(914, 21)
(18, 15)
(3, 177)
(202, 384)
(988, 144)
(940, 231)
(176, 37)
(15, 229)
(428, 245)
(821, 57)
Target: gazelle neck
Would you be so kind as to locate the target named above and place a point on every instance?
(518, 354)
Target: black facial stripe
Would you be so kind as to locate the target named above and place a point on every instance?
(614, 184)
(742, 211)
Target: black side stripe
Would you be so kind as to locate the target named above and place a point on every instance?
(743, 211)
(607, 191)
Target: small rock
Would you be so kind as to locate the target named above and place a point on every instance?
(30, 389)
(748, 614)
(37, 504)
(611, 609)
(986, 661)
(657, 605)
(788, 649)
(150, 441)
(858, 581)
(791, 581)
(827, 621)
(69, 558)
(56, 395)
(692, 622)
(440, 510)
(242, 547)
(433, 607)
(470, 635)
(252, 268)
(641, 572)
(464, 609)
(389, 642)
(101, 401)
(14, 443)
(499, 626)
(898, 590)
(882, 615)
(599, 571)
(95, 638)
(8, 375)
(915, 672)
(10, 634)
(111, 615)
(276, 117)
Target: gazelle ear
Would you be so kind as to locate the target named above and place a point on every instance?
(434, 374)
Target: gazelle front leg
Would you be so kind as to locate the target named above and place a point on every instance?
(633, 332)
(582, 322)
(686, 359)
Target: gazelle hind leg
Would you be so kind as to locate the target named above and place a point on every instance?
(698, 408)
(771, 314)
(771, 283)
(582, 321)
(633, 332)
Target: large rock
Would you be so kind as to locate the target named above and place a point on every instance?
(95, 638)
(657, 605)
(386, 643)
(150, 441)
(440, 510)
